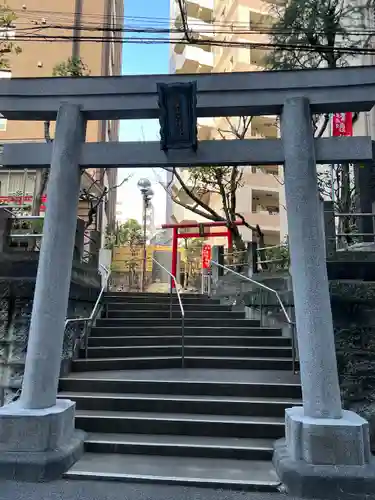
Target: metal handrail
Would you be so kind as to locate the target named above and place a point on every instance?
(265, 287)
(282, 245)
(173, 278)
(90, 319)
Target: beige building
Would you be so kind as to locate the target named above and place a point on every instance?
(260, 200)
(65, 25)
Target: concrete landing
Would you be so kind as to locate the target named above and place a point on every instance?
(181, 470)
(99, 490)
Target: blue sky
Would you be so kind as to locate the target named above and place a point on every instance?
(141, 58)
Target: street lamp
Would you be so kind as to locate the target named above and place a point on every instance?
(144, 185)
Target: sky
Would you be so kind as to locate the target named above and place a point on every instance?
(141, 58)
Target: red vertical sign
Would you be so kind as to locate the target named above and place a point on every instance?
(342, 125)
(206, 256)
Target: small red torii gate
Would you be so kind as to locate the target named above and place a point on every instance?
(201, 234)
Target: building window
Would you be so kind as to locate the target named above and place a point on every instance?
(5, 74)
(112, 52)
(3, 124)
(253, 170)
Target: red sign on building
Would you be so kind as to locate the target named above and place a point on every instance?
(206, 256)
(342, 125)
(21, 201)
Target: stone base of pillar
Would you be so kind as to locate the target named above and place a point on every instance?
(325, 458)
(38, 445)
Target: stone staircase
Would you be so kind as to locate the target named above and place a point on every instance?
(211, 423)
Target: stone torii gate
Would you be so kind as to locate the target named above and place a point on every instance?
(326, 448)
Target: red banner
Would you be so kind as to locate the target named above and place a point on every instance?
(342, 125)
(21, 200)
(206, 256)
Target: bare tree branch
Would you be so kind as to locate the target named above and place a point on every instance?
(223, 180)
(199, 202)
(323, 127)
(96, 201)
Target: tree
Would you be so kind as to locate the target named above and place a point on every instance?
(338, 184)
(73, 67)
(309, 34)
(316, 33)
(204, 183)
(128, 234)
(7, 46)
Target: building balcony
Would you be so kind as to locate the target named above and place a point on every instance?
(200, 9)
(264, 219)
(193, 59)
(199, 29)
(265, 127)
(279, 3)
(262, 178)
(206, 128)
(185, 198)
(239, 59)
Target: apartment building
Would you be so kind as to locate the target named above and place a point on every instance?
(261, 199)
(64, 26)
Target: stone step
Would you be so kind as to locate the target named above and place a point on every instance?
(176, 313)
(190, 351)
(166, 403)
(152, 321)
(131, 363)
(213, 473)
(180, 446)
(255, 386)
(159, 298)
(161, 330)
(188, 305)
(179, 424)
(206, 340)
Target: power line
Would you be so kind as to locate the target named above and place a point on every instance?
(158, 20)
(152, 30)
(165, 35)
(182, 7)
(152, 40)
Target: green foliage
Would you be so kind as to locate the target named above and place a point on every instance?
(310, 34)
(315, 33)
(7, 46)
(193, 248)
(216, 179)
(73, 67)
(278, 257)
(33, 226)
(128, 234)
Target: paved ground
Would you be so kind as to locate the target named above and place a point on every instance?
(100, 490)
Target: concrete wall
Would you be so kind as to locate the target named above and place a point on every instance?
(17, 284)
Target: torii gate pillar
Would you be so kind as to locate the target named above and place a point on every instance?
(324, 444)
(38, 423)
